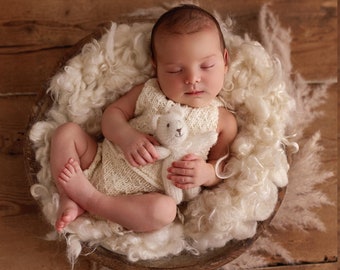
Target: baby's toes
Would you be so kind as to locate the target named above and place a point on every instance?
(69, 169)
(75, 165)
(62, 178)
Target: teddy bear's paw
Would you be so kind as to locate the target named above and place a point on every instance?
(162, 152)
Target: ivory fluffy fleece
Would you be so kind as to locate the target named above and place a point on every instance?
(255, 89)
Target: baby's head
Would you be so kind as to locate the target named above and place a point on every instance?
(189, 55)
(185, 19)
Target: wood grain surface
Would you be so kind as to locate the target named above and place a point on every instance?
(35, 35)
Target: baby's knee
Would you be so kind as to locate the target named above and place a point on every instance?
(65, 131)
(165, 210)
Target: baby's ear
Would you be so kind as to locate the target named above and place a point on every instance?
(226, 60)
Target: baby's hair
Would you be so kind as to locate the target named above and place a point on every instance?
(184, 19)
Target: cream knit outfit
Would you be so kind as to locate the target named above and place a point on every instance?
(111, 174)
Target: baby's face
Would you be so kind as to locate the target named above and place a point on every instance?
(190, 67)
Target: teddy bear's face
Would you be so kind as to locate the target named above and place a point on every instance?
(171, 129)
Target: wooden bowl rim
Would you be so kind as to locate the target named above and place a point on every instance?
(209, 260)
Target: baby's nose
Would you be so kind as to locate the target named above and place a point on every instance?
(193, 77)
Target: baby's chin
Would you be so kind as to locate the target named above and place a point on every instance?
(197, 100)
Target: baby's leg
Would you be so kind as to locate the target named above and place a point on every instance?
(76, 185)
(140, 213)
(69, 141)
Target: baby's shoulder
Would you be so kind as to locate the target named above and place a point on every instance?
(227, 122)
(224, 112)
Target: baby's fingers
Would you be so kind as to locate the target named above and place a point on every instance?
(181, 171)
(152, 140)
(148, 154)
(132, 160)
(149, 147)
(183, 182)
(141, 156)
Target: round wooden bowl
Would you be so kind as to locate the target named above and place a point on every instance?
(212, 259)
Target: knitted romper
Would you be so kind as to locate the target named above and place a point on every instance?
(111, 174)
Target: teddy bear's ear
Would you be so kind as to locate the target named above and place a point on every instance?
(178, 110)
(154, 121)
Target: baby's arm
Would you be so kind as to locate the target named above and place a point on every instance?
(192, 170)
(138, 148)
(227, 129)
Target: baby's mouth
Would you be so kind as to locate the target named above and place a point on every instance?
(194, 93)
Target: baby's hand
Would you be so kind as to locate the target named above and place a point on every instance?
(138, 148)
(191, 171)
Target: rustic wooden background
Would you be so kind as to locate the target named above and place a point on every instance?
(34, 37)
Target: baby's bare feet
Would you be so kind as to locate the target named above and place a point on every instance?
(68, 212)
(76, 185)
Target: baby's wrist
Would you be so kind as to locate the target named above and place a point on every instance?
(212, 179)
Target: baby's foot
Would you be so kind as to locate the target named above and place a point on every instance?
(68, 211)
(76, 186)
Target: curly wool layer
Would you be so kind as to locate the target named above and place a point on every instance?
(254, 89)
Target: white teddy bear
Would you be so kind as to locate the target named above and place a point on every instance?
(172, 132)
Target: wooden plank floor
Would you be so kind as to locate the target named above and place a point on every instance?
(35, 35)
